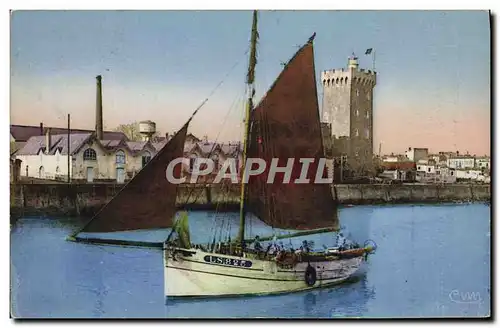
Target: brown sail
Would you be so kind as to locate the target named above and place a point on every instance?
(286, 125)
(148, 200)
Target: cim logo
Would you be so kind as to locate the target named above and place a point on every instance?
(227, 261)
(465, 297)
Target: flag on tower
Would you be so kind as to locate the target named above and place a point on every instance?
(368, 51)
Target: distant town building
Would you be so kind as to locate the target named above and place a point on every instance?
(476, 175)
(401, 171)
(348, 108)
(46, 157)
(448, 154)
(483, 162)
(438, 174)
(19, 134)
(461, 162)
(416, 154)
(438, 158)
(427, 168)
(218, 153)
(93, 160)
(394, 158)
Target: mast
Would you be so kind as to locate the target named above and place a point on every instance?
(250, 92)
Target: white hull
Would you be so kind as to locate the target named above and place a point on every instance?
(207, 274)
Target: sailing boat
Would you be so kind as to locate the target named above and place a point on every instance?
(285, 124)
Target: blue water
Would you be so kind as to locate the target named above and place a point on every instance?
(431, 261)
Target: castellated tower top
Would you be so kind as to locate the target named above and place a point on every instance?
(352, 62)
(353, 74)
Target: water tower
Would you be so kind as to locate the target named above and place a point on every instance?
(147, 129)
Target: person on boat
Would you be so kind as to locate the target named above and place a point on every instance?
(256, 244)
(275, 239)
(271, 249)
(305, 247)
(341, 241)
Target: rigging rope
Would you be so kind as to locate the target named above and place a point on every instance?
(203, 103)
(217, 87)
(215, 144)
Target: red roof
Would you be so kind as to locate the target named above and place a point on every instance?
(399, 165)
(24, 132)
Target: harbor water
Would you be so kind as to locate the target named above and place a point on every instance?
(431, 261)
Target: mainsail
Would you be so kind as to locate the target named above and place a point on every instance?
(148, 200)
(286, 125)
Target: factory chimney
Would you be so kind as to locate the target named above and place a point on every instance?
(98, 109)
(48, 140)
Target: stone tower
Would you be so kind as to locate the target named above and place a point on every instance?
(348, 107)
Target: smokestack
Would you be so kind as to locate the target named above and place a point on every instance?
(41, 128)
(98, 109)
(48, 145)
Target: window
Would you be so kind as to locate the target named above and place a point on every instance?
(357, 112)
(120, 157)
(367, 133)
(146, 157)
(58, 170)
(428, 169)
(451, 172)
(368, 95)
(357, 92)
(367, 114)
(89, 155)
(356, 132)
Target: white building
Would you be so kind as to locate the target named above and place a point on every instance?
(483, 162)
(416, 154)
(393, 158)
(461, 162)
(470, 174)
(427, 168)
(436, 174)
(90, 159)
(107, 160)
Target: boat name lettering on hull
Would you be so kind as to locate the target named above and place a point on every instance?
(227, 261)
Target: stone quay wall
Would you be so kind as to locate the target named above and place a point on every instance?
(87, 199)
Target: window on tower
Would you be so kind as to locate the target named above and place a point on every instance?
(357, 112)
(367, 114)
(367, 133)
(356, 132)
(357, 92)
(368, 95)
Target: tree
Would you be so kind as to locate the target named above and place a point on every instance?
(131, 130)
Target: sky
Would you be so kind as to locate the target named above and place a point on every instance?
(433, 69)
